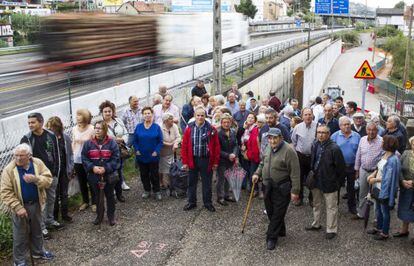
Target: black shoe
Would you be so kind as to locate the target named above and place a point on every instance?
(399, 234)
(189, 206)
(354, 212)
(271, 244)
(120, 198)
(96, 221)
(112, 222)
(282, 233)
(345, 196)
(210, 208)
(222, 202)
(373, 231)
(229, 199)
(67, 219)
(312, 228)
(381, 236)
(330, 235)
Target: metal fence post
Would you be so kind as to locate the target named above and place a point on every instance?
(242, 70)
(193, 62)
(224, 71)
(240, 65)
(70, 98)
(252, 59)
(149, 80)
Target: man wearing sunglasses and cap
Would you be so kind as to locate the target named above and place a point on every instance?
(280, 172)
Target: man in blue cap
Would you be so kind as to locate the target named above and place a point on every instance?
(280, 172)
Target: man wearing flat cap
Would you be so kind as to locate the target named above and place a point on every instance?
(280, 172)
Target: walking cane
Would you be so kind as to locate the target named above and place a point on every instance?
(246, 213)
(29, 239)
(101, 201)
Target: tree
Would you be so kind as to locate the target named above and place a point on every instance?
(247, 8)
(400, 5)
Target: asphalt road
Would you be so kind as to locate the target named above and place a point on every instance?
(25, 91)
(161, 233)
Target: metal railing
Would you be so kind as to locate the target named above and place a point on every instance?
(237, 62)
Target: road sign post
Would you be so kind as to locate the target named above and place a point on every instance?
(364, 72)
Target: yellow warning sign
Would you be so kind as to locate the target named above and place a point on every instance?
(408, 85)
(365, 71)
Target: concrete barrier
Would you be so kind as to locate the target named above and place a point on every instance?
(280, 77)
(317, 69)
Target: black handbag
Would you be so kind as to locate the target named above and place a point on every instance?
(375, 192)
(310, 181)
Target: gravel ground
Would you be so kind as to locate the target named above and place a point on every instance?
(161, 233)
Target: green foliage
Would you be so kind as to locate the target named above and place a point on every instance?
(310, 17)
(3, 44)
(290, 12)
(359, 25)
(350, 37)
(247, 8)
(397, 46)
(26, 29)
(6, 236)
(388, 31)
(400, 5)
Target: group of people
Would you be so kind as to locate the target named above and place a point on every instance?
(282, 148)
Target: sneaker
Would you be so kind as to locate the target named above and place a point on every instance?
(93, 208)
(330, 235)
(313, 228)
(158, 196)
(46, 235)
(83, 207)
(20, 264)
(67, 219)
(146, 195)
(124, 186)
(47, 255)
(56, 226)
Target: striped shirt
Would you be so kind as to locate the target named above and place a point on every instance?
(131, 119)
(369, 153)
(199, 139)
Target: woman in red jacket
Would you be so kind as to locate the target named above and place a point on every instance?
(250, 146)
(200, 153)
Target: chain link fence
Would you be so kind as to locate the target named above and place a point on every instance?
(75, 84)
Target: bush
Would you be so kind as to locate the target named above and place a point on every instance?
(359, 25)
(350, 37)
(388, 31)
(3, 44)
(397, 46)
(26, 28)
(6, 235)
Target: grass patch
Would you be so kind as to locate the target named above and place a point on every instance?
(6, 236)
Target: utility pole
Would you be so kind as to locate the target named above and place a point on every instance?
(217, 55)
(407, 57)
(373, 48)
(366, 11)
(332, 18)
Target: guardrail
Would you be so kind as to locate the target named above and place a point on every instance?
(19, 48)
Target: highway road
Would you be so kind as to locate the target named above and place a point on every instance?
(22, 92)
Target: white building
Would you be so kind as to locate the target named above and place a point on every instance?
(259, 5)
(390, 16)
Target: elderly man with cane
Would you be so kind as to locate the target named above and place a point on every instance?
(23, 192)
(280, 172)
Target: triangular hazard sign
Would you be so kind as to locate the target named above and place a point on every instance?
(365, 71)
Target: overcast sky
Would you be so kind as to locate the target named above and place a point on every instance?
(382, 3)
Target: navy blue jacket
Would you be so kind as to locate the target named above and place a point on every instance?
(106, 156)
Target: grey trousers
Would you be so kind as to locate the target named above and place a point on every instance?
(48, 214)
(21, 234)
(222, 184)
(363, 189)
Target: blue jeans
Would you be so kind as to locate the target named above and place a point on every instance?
(200, 168)
(383, 217)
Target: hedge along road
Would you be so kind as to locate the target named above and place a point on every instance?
(161, 233)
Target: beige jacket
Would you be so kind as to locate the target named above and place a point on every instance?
(10, 190)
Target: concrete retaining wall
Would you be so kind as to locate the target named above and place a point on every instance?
(316, 70)
(280, 77)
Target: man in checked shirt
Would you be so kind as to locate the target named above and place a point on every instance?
(368, 155)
